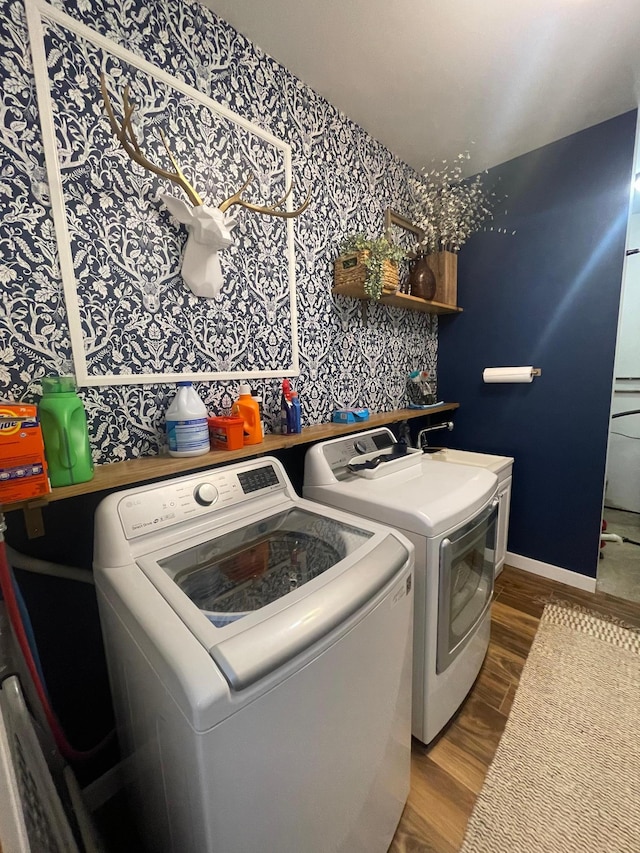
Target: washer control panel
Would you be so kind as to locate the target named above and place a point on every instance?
(175, 501)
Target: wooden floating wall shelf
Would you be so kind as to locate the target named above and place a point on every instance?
(118, 475)
(398, 300)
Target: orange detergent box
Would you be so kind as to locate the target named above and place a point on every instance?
(226, 433)
(23, 467)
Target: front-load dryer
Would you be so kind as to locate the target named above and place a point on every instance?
(449, 513)
(502, 466)
(259, 652)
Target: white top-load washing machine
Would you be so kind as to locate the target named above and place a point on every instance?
(449, 513)
(259, 651)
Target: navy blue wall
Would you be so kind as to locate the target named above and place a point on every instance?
(547, 296)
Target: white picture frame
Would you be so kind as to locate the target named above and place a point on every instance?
(39, 12)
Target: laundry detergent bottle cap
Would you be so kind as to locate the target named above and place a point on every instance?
(65, 433)
(246, 407)
(187, 423)
(58, 385)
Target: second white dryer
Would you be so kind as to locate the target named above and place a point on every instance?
(449, 513)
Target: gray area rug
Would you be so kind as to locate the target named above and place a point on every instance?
(566, 775)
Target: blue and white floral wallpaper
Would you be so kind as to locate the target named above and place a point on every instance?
(344, 360)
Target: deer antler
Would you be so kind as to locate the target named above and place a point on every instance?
(274, 210)
(125, 133)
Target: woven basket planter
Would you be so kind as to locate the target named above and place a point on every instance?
(350, 271)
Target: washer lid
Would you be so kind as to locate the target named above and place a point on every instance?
(269, 587)
(426, 499)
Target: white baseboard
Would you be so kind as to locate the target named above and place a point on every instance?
(554, 573)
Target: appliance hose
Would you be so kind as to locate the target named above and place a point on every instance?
(22, 636)
(28, 627)
(624, 414)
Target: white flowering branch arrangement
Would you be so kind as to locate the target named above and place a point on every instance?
(447, 208)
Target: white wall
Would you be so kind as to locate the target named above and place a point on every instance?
(623, 470)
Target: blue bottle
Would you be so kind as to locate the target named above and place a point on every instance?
(296, 413)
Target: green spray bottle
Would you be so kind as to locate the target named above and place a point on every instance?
(64, 429)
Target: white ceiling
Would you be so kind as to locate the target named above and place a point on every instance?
(433, 78)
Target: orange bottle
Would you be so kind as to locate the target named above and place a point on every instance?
(246, 407)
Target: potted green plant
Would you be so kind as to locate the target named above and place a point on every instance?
(369, 262)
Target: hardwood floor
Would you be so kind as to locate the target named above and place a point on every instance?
(447, 776)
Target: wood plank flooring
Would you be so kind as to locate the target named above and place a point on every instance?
(447, 776)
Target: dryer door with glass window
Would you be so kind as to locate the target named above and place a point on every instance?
(467, 565)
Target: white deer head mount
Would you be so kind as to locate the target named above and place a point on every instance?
(209, 228)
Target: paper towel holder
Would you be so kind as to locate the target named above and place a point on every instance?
(535, 371)
(510, 374)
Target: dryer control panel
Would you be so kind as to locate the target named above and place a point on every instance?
(171, 502)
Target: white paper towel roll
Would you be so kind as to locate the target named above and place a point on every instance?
(507, 374)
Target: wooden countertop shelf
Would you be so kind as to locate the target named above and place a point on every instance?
(120, 474)
(399, 300)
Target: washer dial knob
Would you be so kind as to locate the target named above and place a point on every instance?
(205, 494)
